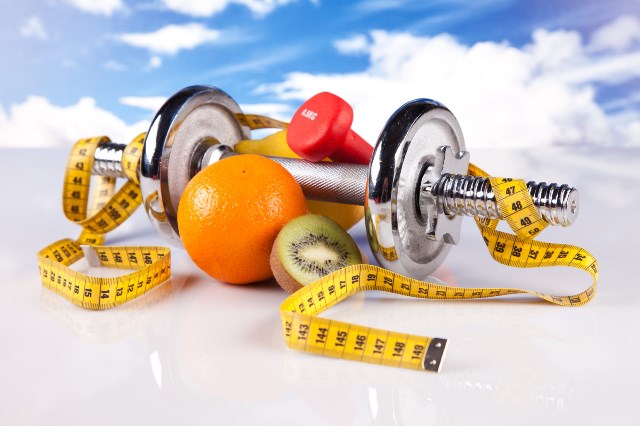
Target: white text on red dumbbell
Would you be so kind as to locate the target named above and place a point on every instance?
(307, 113)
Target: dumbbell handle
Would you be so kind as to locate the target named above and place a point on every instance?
(336, 182)
(458, 194)
(346, 183)
(108, 160)
(473, 196)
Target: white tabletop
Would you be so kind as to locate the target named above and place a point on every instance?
(197, 351)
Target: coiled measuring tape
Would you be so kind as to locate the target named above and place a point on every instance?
(98, 209)
(303, 329)
(98, 212)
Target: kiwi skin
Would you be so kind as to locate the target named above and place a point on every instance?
(286, 281)
(280, 273)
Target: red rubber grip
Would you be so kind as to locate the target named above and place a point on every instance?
(321, 128)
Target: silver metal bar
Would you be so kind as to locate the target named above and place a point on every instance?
(108, 160)
(473, 196)
(336, 182)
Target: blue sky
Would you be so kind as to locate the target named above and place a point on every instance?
(559, 72)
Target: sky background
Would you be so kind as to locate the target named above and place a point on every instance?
(515, 73)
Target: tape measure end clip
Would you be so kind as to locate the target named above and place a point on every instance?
(434, 357)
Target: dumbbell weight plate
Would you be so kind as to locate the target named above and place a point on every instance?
(183, 129)
(406, 148)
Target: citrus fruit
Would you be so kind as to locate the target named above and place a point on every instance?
(231, 212)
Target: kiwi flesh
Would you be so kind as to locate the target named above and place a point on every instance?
(308, 248)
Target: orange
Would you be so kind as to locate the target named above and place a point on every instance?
(231, 212)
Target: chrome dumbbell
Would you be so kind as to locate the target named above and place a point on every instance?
(414, 191)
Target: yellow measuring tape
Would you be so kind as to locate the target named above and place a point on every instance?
(152, 265)
(304, 330)
(255, 122)
(98, 208)
(98, 212)
(108, 209)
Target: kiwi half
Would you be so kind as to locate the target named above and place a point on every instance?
(308, 248)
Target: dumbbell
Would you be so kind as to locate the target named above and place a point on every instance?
(321, 128)
(414, 190)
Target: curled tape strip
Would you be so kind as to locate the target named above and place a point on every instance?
(255, 122)
(305, 331)
(108, 210)
(98, 209)
(152, 266)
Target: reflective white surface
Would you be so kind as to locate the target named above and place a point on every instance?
(198, 351)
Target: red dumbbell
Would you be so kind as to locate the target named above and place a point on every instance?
(321, 128)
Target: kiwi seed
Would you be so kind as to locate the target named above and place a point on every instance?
(308, 248)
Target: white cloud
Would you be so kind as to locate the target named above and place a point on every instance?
(553, 50)
(356, 45)
(97, 7)
(610, 69)
(34, 28)
(541, 94)
(627, 125)
(149, 103)
(206, 8)
(562, 55)
(37, 123)
(171, 39)
(618, 35)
